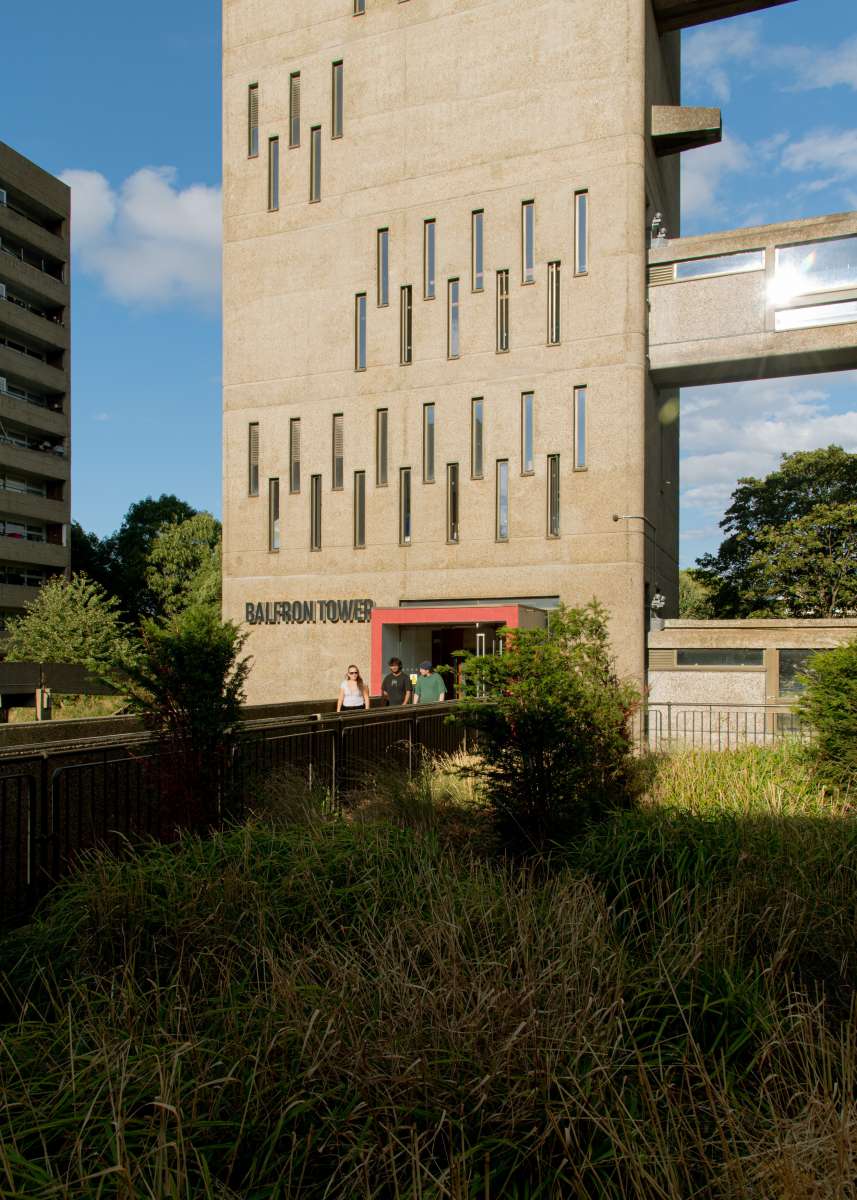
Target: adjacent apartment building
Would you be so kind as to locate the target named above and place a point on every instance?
(455, 310)
(35, 393)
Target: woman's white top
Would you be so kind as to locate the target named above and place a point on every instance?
(353, 694)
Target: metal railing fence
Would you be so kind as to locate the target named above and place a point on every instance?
(670, 725)
(58, 804)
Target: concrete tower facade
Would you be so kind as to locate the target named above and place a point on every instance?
(442, 224)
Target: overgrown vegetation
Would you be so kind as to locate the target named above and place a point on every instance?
(553, 725)
(829, 706)
(351, 1007)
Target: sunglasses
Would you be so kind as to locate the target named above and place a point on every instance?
(353, 672)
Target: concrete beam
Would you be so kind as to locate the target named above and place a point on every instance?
(681, 14)
(677, 127)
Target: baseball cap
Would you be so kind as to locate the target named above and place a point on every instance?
(425, 666)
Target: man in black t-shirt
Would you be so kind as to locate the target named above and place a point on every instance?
(397, 685)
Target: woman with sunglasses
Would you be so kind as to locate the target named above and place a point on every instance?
(353, 692)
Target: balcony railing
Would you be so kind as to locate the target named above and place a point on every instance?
(32, 258)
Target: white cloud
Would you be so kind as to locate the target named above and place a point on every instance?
(703, 173)
(708, 53)
(149, 242)
(813, 67)
(731, 431)
(833, 151)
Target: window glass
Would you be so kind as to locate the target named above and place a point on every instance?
(315, 164)
(253, 455)
(723, 264)
(338, 101)
(581, 233)
(295, 109)
(295, 454)
(253, 120)
(528, 241)
(502, 500)
(338, 453)
(359, 7)
(553, 304)
(428, 443)
(381, 447)
(406, 324)
(792, 664)
(273, 174)
(405, 506)
(429, 259)
(580, 429)
(527, 433)
(815, 267)
(273, 514)
(359, 508)
(553, 495)
(477, 420)
(383, 267)
(453, 348)
(478, 250)
(360, 332)
(718, 657)
(813, 315)
(452, 502)
(502, 311)
(315, 512)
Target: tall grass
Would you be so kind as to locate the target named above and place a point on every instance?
(322, 1007)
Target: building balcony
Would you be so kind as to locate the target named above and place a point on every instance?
(20, 275)
(26, 370)
(16, 597)
(758, 303)
(36, 330)
(19, 227)
(37, 417)
(680, 14)
(36, 508)
(46, 464)
(42, 554)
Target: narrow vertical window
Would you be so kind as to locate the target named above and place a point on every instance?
(553, 304)
(429, 259)
(295, 454)
(295, 108)
(502, 311)
(338, 456)
(477, 250)
(383, 268)
(406, 317)
(253, 455)
(428, 443)
(580, 462)
(477, 427)
(553, 495)
(381, 415)
(253, 120)
(359, 7)
(502, 512)
(337, 115)
(359, 509)
(452, 502)
(315, 164)
(527, 433)
(273, 514)
(273, 174)
(528, 241)
(581, 233)
(405, 506)
(453, 341)
(315, 512)
(360, 332)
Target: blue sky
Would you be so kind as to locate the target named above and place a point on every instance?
(128, 106)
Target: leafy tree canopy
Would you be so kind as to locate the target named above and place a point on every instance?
(184, 564)
(131, 546)
(781, 532)
(72, 621)
(694, 600)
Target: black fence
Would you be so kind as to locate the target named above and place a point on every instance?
(56, 805)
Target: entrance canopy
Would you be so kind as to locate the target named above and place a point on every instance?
(434, 632)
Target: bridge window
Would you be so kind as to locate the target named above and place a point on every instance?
(721, 264)
(815, 267)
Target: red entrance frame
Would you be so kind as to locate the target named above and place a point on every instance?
(494, 614)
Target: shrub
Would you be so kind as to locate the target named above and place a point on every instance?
(552, 720)
(829, 705)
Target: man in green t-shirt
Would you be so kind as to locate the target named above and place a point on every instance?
(429, 687)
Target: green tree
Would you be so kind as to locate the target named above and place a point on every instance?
(804, 481)
(829, 705)
(72, 621)
(184, 564)
(553, 725)
(807, 567)
(694, 601)
(92, 556)
(188, 685)
(131, 545)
